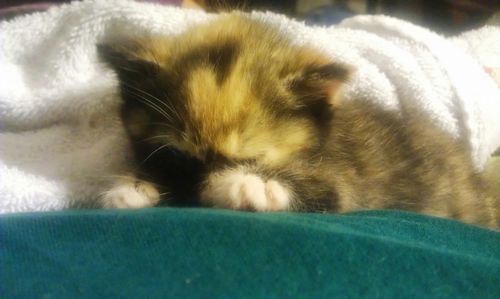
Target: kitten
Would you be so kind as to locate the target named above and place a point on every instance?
(231, 114)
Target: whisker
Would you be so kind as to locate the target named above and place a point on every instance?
(145, 95)
(152, 105)
(148, 103)
(162, 125)
(154, 137)
(154, 152)
(175, 129)
(155, 98)
(172, 109)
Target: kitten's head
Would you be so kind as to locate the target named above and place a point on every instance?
(228, 91)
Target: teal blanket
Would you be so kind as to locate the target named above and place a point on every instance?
(207, 253)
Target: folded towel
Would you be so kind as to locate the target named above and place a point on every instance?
(61, 140)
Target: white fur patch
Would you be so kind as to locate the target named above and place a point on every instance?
(235, 189)
(130, 193)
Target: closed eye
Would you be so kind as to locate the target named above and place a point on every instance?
(216, 159)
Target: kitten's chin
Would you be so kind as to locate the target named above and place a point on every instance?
(235, 189)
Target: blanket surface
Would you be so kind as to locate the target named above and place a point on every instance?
(61, 141)
(208, 253)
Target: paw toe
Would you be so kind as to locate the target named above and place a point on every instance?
(277, 196)
(251, 193)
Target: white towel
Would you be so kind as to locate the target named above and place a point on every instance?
(61, 139)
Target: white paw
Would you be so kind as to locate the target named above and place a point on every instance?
(130, 193)
(237, 190)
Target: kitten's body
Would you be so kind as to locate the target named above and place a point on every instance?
(232, 115)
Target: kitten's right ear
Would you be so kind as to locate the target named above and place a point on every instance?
(125, 61)
(320, 83)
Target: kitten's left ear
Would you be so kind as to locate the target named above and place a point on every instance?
(125, 59)
(320, 83)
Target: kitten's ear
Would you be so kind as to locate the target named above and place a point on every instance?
(127, 63)
(320, 83)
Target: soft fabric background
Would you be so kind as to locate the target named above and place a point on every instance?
(205, 253)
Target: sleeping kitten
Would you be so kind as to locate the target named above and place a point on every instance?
(230, 114)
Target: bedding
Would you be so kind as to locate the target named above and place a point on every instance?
(208, 253)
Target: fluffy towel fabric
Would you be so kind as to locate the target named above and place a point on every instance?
(61, 140)
(208, 253)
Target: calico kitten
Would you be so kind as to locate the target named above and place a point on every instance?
(231, 114)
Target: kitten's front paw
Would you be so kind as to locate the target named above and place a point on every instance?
(131, 193)
(241, 191)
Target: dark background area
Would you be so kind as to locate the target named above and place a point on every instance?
(444, 16)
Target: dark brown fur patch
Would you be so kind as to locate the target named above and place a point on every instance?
(220, 57)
